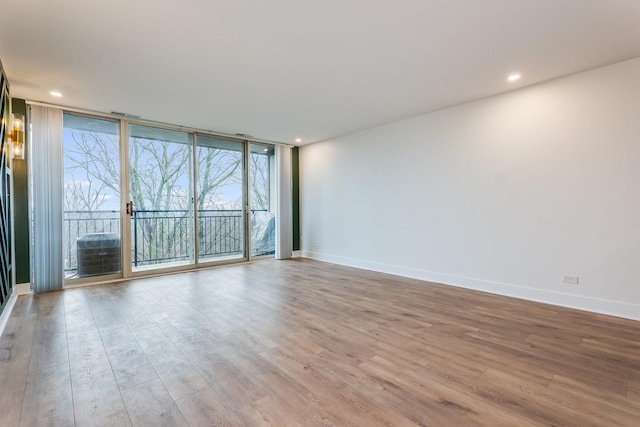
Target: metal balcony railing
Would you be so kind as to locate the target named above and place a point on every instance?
(160, 236)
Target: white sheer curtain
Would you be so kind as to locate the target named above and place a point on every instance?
(284, 221)
(47, 175)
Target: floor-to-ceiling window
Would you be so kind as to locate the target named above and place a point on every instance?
(92, 243)
(139, 198)
(262, 190)
(221, 198)
(161, 197)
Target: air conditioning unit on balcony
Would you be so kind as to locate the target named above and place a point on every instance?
(98, 253)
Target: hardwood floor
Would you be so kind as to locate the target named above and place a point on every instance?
(304, 343)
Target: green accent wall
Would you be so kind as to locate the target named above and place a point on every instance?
(295, 196)
(21, 205)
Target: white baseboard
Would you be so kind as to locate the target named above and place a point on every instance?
(23, 288)
(612, 308)
(6, 313)
(296, 254)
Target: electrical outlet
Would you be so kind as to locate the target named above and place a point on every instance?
(570, 279)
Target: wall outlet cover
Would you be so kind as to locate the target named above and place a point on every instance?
(566, 278)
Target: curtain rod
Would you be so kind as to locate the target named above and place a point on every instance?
(138, 120)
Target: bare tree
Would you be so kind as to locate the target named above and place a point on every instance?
(159, 184)
(259, 181)
(216, 169)
(92, 159)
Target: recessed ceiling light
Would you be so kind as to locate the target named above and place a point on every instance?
(298, 139)
(265, 150)
(55, 93)
(513, 77)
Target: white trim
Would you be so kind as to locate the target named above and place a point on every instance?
(296, 254)
(6, 313)
(596, 305)
(23, 289)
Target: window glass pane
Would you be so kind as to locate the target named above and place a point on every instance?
(161, 190)
(220, 198)
(261, 189)
(91, 196)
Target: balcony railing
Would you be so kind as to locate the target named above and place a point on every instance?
(160, 236)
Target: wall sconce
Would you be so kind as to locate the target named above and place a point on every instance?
(17, 135)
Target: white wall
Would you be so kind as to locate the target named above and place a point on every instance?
(504, 194)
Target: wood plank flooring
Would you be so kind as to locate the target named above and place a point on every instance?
(305, 343)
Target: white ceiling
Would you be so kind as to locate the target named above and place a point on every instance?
(313, 69)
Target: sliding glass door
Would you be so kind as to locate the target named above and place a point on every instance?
(91, 236)
(141, 198)
(262, 189)
(221, 199)
(161, 198)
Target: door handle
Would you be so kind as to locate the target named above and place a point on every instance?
(130, 208)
